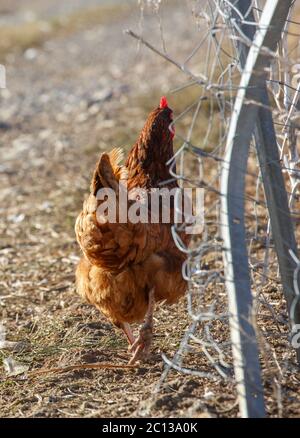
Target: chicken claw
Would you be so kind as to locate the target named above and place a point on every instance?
(142, 344)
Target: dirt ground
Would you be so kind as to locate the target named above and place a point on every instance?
(79, 92)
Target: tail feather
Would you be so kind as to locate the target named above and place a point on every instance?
(108, 171)
(96, 238)
(116, 155)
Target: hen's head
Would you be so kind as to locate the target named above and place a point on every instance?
(154, 147)
(168, 114)
(158, 127)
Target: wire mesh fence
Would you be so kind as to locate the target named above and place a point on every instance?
(238, 142)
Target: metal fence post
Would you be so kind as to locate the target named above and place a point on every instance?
(245, 350)
(269, 161)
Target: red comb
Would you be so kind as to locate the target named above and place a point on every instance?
(163, 102)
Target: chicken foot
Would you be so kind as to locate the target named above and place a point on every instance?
(141, 345)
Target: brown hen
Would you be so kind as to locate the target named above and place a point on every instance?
(128, 266)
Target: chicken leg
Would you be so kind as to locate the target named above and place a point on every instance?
(128, 332)
(141, 345)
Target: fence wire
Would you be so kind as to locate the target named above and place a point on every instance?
(212, 72)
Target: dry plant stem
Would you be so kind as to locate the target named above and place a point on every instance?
(141, 345)
(93, 366)
(201, 80)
